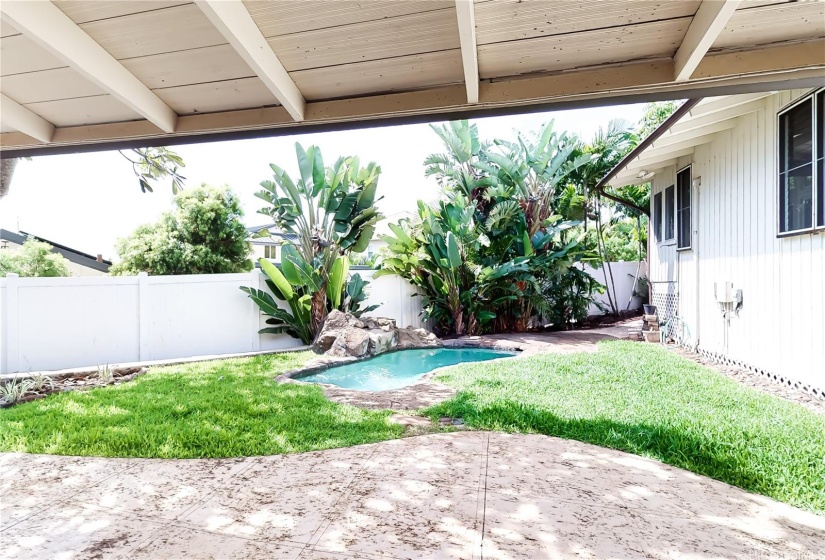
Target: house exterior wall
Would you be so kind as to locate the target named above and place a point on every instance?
(781, 326)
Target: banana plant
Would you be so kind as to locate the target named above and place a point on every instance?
(332, 212)
(297, 323)
(353, 296)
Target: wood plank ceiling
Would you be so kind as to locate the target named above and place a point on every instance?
(359, 60)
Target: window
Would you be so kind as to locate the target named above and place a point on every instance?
(657, 217)
(670, 214)
(683, 209)
(801, 168)
(270, 251)
(820, 159)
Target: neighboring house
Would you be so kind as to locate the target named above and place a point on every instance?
(80, 263)
(737, 243)
(268, 246)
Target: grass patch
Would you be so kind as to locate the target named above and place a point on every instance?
(646, 400)
(227, 408)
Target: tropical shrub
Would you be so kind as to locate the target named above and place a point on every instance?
(498, 250)
(332, 212)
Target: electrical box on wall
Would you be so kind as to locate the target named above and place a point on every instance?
(729, 299)
(723, 292)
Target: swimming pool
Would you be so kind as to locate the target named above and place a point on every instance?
(399, 369)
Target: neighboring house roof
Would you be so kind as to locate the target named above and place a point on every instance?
(272, 234)
(75, 256)
(693, 124)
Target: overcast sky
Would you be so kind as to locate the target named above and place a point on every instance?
(87, 201)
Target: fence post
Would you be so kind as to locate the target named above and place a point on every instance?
(143, 316)
(12, 349)
(255, 282)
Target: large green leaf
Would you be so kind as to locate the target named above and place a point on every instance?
(400, 234)
(453, 252)
(337, 278)
(318, 173)
(265, 301)
(367, 196)
(308, 276)
(305, 161)
(286, 184)
(345, 208)
(363, 240)
(277, 278)
(528, 246)
(287, 267)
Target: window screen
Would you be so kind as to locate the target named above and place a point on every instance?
(820, 159)
(657, 217)
(683, 209)
(796, 195)
(670, 214)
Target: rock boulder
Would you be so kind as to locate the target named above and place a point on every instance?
(344, 335)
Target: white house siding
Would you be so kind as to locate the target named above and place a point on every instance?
(781, 327)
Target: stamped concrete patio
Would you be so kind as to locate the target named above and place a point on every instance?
(457, 495)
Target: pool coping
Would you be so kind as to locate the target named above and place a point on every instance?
(423, 393)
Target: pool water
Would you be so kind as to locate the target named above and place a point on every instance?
(399, 369)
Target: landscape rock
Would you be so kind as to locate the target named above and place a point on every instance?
(350, 342)
(344, 335)
(416, 338)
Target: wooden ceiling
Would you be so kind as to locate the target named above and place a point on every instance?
(76, 74)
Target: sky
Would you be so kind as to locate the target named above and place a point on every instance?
(88, 201)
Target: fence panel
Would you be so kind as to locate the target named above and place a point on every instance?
(58, 323)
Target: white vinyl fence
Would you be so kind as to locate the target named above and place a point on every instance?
(623, 276)
(59, 323)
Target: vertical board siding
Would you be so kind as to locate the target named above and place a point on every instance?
(781, 327)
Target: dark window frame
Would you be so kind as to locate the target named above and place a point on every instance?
(669, 223)
(657, 217)
(817, 100)
(683, 187)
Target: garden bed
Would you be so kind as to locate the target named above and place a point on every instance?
(42, 385)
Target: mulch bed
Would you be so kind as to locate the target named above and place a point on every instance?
(759, 383)
(78, 381)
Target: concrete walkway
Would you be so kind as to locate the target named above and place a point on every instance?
(458, 495)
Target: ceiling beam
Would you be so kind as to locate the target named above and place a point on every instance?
(707, 24)
(15, 116)
(626, 83)
(48, 26)
(465, 12)
(235, 23)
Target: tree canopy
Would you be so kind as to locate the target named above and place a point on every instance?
(35, 258)
(204, 234)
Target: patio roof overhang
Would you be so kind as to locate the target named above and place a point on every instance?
(695, 123)
(98, 74)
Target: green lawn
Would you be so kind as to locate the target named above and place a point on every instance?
(646, 400)
(639, 398)
(226, 408)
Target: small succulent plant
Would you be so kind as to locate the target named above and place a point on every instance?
(38, 382)
(14, 390)
(105, 373)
